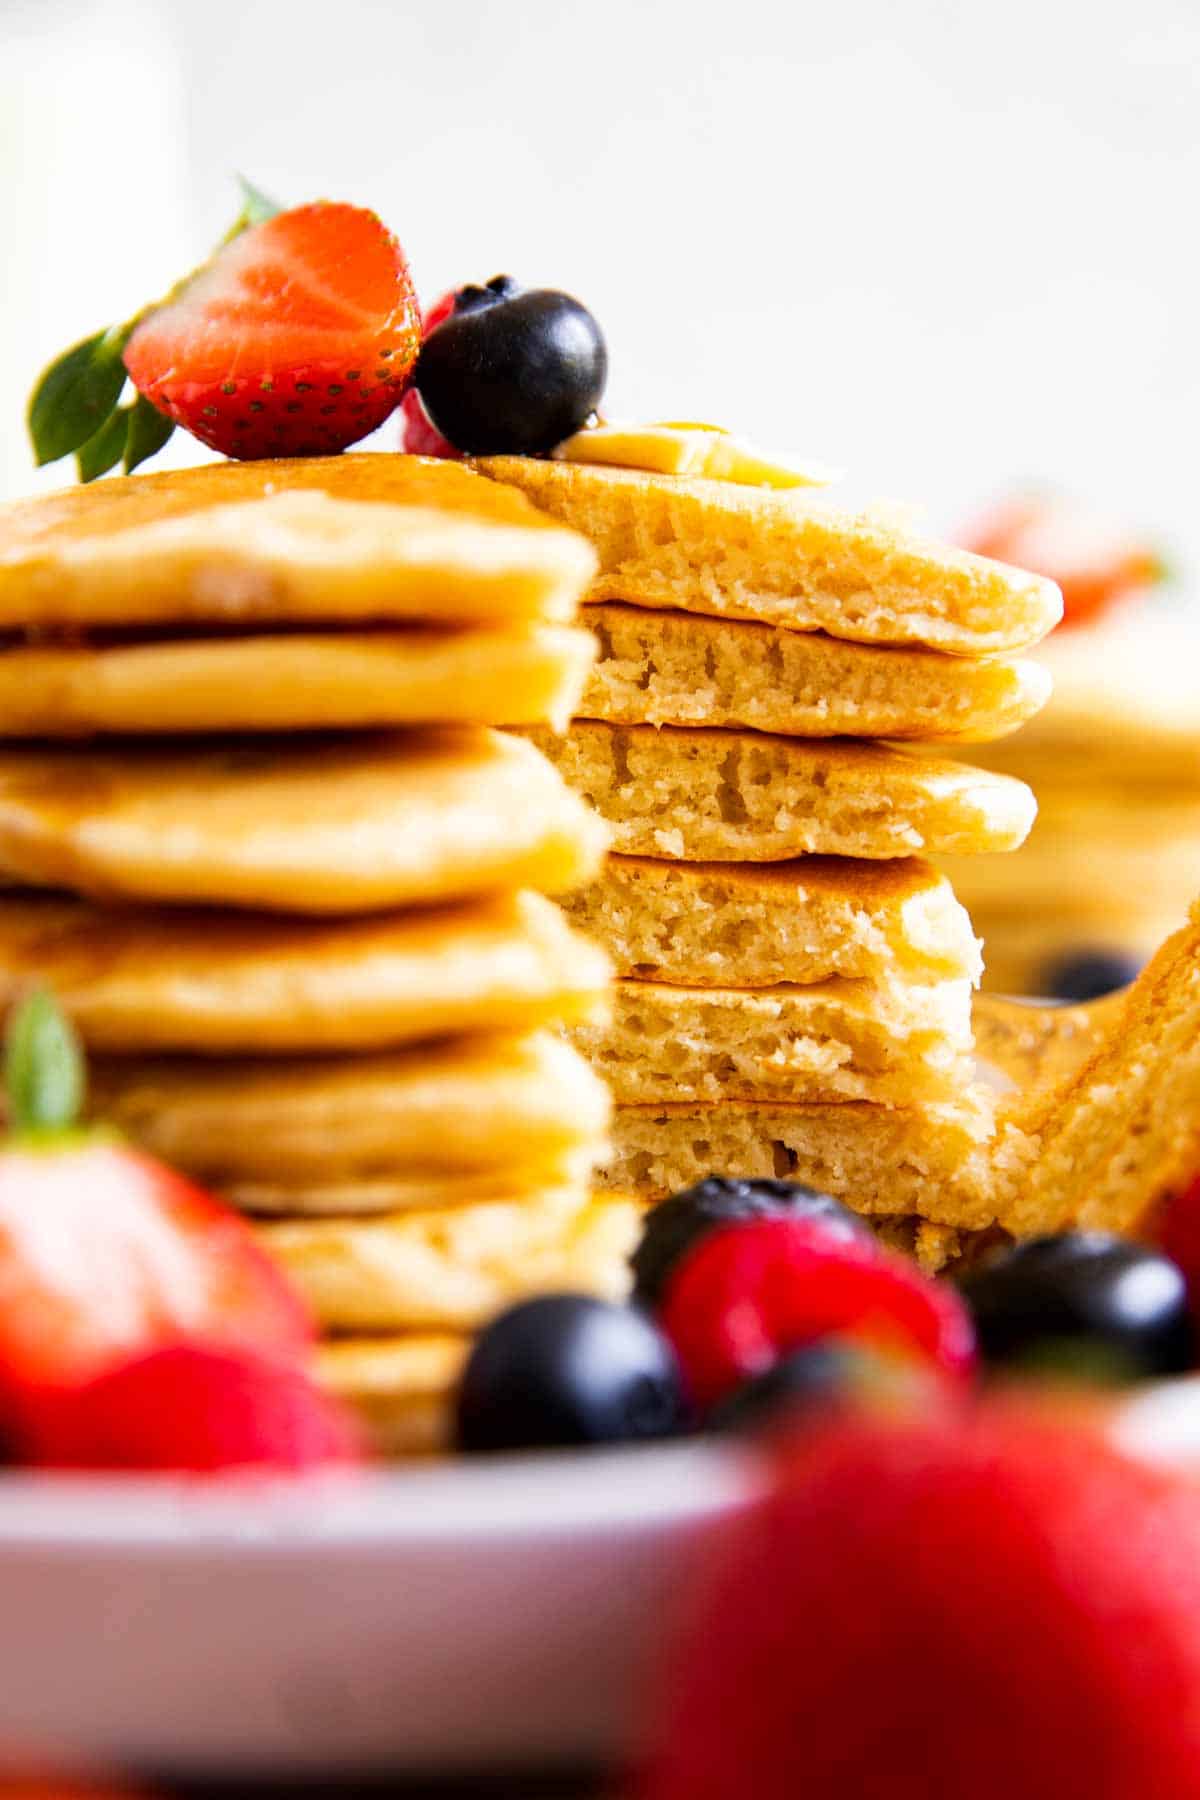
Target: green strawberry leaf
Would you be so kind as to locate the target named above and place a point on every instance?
(256, 206)
(44, 1072)
(105, 448)
(73, 408)
(148, 432)
(76, 394)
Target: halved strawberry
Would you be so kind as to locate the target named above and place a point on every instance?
(295, 340)
(105, 1253)
(1094, 562)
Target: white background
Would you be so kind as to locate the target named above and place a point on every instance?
(945, 246)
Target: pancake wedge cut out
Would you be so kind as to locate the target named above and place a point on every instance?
(744, 796)
(146, 978)
(520, 675)
(454, 1269)
(491, 1107)
(344, 538)
(671, 668)
(746, 925)
(1124, 1134)
(784, 558)
(333, 826)
(834, 1041)
(931, 1161)
(400, 1385)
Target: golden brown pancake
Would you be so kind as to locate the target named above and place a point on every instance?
(294, 681)
(933, 1161)
(785, 558)
(669, 668)
(359, 537)
(744, 796)
(147, 978)
(400, 1385)
(493, 1107)
(751, 925)
(834, 1040)
(454, 1269)
(312, 826)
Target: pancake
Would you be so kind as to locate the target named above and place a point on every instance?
(741, 796)
(383, 537)
(836, 1041)
(935, 1161)
(419, 1188)
(484, 1106)
(294, 681)
(742, 925)
(453, 1270)
(310, 826)
(788, 559)
(1124, 1134)
(1036, 1048)
(669, 668)
(401, 1387)
(142, 978)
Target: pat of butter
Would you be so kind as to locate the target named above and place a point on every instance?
(685, 449)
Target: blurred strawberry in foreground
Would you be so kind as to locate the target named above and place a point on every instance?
(749, 1293)
(198, 1410)
(294, 339)
(996, 1606)
(105, 1253)
(1094, 562)
(43, 1786)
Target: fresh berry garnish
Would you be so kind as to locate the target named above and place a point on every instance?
(675, 1226)
(1083, 1299)
(1178, 1237)
(512, 369)
(567, 1369)
(1095, 563)
(825, 1378)
(1089, 975)
(294, 339)
(995, 1606)
(105, 1253)
(749, 1294)
(190, 1407)
(417, 436)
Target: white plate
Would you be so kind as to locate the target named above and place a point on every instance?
(455, 1616)
(429, 1618)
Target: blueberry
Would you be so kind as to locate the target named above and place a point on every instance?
(567, 1369)
(512, 370)
(1088, 974)
(1083, 1298)
(675, 1225)
(821, 1378)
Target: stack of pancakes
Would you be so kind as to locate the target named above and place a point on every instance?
(260, 836)
(794, 992)
(1113, 862)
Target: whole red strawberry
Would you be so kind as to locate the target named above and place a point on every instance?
(924, 1611)
(1095, 563)
(105, 1253)
(194, 1408)
(749, 1293)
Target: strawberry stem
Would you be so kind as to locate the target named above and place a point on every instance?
(44, 1071)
